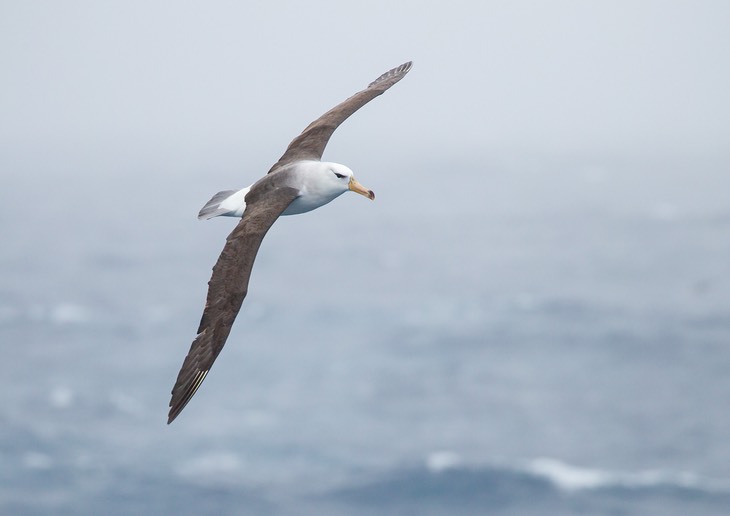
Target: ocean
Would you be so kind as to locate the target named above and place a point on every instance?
(523, 336)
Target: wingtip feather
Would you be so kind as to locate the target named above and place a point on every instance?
(177, 406)
(395, 75)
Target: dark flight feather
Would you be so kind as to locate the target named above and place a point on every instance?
(311, 143)
(227, 289)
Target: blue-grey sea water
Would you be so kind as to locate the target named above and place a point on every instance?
(523, 336)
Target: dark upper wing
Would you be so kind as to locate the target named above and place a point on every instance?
(226, 289)
(311, 143)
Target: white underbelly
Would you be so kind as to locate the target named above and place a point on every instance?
(308, 202)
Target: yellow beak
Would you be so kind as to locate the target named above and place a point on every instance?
(358, 188)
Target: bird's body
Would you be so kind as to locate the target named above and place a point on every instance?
(317, 181)
(299, 182)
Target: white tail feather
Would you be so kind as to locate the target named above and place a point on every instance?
(226, 203)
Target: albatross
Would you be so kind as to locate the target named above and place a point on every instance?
(299, 182)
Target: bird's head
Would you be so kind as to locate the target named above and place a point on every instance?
(341, 177)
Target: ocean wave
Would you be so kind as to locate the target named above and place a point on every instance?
(59, 314)
(573, 478)
(539, 486)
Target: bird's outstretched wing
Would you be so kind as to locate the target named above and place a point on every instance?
(226, 290)
(311, 143)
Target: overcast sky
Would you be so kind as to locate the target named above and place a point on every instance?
(565, 77)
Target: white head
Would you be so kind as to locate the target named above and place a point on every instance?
(341, 179)
(322, 182)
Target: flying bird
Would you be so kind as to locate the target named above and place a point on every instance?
(299, 182)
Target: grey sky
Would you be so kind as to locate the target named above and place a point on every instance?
(559, 77)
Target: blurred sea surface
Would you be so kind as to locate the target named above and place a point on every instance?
(498, 336)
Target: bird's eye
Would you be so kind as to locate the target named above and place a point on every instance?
(339, 176)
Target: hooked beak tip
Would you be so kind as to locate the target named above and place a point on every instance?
(358, 188)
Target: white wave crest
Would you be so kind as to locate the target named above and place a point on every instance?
(573, 478)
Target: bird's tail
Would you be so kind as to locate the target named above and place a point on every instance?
(227, 203)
